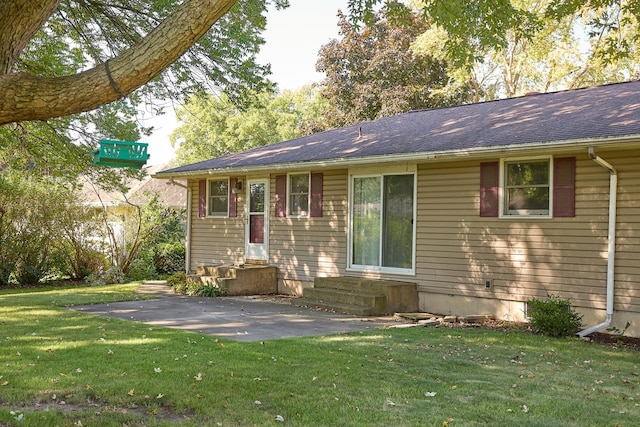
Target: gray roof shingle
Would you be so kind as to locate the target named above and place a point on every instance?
(579, 114)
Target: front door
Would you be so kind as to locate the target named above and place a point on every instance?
(257, 221)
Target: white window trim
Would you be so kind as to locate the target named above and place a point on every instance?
(501, 191)
(209, 180)
(290, 214)
(364, 173)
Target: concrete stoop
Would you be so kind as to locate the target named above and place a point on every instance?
(236, 281)
(360, 296)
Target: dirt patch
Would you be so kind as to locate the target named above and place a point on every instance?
(618, 341)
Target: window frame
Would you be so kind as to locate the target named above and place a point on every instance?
(503, 188)
(306, 213)
(350, 266)
(209, 197)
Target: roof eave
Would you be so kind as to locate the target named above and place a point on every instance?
(415, 157)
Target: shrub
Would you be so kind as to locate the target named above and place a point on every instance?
(181, 285)
(178, 282)
(210, 291)
(554, 316)
(169, 257)
(141, 269)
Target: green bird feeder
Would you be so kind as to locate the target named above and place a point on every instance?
(121, 154)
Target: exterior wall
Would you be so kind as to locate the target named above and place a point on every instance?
(216, 241)
(524, 258)
(305, 248)
(457, 250)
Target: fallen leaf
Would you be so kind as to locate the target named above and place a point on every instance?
(157, 370)
(130, 392)
(525, 409)
(257, 402)
(160, 396)
(198, 377)
(390, 402)
(280, 418)
(430, 393)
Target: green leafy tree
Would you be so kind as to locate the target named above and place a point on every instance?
(73, 72)
(474, 27)
(34, 220)
(556, 56)
(154, 240)
(97, 52)
(372, 71)
(213, 125)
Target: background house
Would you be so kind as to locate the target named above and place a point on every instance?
(119, 206)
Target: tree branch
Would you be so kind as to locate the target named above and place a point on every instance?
(21, 19)
(27, 97)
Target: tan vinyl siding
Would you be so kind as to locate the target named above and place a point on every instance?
(457, 249)
(215, 240)
(304, 248)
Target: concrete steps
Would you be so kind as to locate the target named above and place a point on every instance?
(360, 296)
(246, 280)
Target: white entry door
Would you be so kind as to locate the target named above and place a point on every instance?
(257, 221)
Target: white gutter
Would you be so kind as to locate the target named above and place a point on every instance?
(611, 250)
(187, 249)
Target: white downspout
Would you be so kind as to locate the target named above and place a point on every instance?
(187, 249)
(611, 250)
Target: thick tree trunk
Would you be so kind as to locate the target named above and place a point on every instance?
(26, 97)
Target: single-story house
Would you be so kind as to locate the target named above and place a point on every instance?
(483, 206)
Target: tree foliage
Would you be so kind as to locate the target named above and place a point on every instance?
(371, 72)
(37, 215)
(474, 27)
(214, 125)
(58, 50)
(559, 55)
(98, 52)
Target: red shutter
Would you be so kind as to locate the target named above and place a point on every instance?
(316, 194)
(202, 198)
(489, 177)
(281, 196)
(564, 187)
(233, 198)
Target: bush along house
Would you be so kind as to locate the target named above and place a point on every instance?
(461, 210)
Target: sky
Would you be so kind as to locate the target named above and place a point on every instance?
(293, 37)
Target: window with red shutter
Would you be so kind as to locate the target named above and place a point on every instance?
(316, 194)
(202, 198)
(233, 198)
(489, 185)
(564, 187)
(280, 196)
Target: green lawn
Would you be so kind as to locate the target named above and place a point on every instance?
(63, 368)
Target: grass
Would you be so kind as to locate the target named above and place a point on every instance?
(63, 368)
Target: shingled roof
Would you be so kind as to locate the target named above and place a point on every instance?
(597, 114)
